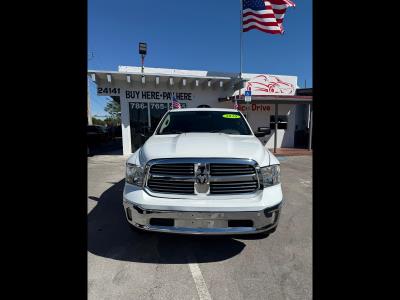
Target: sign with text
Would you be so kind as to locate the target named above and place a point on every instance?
(247, 96)
(143, 94)
(157, 95)
(254, 107)
(108, 91)
(153, 106)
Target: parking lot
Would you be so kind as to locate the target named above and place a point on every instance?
(126, 265)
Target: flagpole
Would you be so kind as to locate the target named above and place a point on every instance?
(241, 31)
(240, 47)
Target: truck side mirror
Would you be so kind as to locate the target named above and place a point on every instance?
(265, 130)
(259, 134)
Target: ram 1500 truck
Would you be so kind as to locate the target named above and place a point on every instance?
(203, 171)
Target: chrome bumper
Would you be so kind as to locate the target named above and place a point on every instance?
(206, 223)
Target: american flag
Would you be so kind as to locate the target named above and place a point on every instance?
(263, 15)
(175, 104)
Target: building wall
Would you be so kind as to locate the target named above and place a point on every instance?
(199, 95)
(257, 114)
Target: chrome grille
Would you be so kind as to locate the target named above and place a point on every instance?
(245, 174)
(231, 169)
(180, 176)
(164, 178)
(173, 169)
(175, 187)
(233, 187)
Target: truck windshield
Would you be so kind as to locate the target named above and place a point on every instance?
(204, 121)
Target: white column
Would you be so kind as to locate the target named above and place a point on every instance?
(89, 114)
(126, 128)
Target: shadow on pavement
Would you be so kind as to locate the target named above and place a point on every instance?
(113, 147)
(110, 236)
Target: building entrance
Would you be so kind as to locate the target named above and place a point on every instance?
(144, 118)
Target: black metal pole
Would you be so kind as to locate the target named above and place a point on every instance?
(276, 127)
(310, 130)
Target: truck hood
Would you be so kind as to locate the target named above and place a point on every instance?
(218, 145)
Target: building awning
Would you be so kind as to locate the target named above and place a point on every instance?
(154, 79)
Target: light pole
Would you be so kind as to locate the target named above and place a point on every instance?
(142, 52)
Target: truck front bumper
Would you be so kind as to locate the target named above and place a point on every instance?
(207, 223)
(211, 216)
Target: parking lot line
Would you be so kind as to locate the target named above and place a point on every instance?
(201, 285)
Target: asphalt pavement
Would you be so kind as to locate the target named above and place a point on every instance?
(123, 264)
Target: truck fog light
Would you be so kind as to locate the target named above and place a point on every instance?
(268, 214)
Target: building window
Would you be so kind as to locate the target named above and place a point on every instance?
(282, 121)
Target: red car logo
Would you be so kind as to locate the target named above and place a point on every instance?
(270, 84)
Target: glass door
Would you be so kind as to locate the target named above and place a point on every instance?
(157, 111)
(144, 118)
(139, 122)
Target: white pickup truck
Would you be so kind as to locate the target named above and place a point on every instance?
(203, 171)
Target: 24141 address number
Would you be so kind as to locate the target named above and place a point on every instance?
(106, 90)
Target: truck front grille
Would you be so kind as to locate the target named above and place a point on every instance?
(244, 184)
(231, 169)
(233, 187)
(174, 187)
(173, 169)
(224, 176)
(164, 178)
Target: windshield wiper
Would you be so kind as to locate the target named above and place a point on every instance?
(174, 132)
(214, 131)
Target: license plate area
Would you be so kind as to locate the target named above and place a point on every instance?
(196, 223)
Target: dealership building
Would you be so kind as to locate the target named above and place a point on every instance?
(145, 95)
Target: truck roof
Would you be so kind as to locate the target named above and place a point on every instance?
(204, 109)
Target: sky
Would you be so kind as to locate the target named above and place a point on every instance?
(194, 35)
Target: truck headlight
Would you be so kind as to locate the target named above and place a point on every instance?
(134, 174)
(270, 175)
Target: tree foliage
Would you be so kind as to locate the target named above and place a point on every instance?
(113, 108)
(96, 121)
